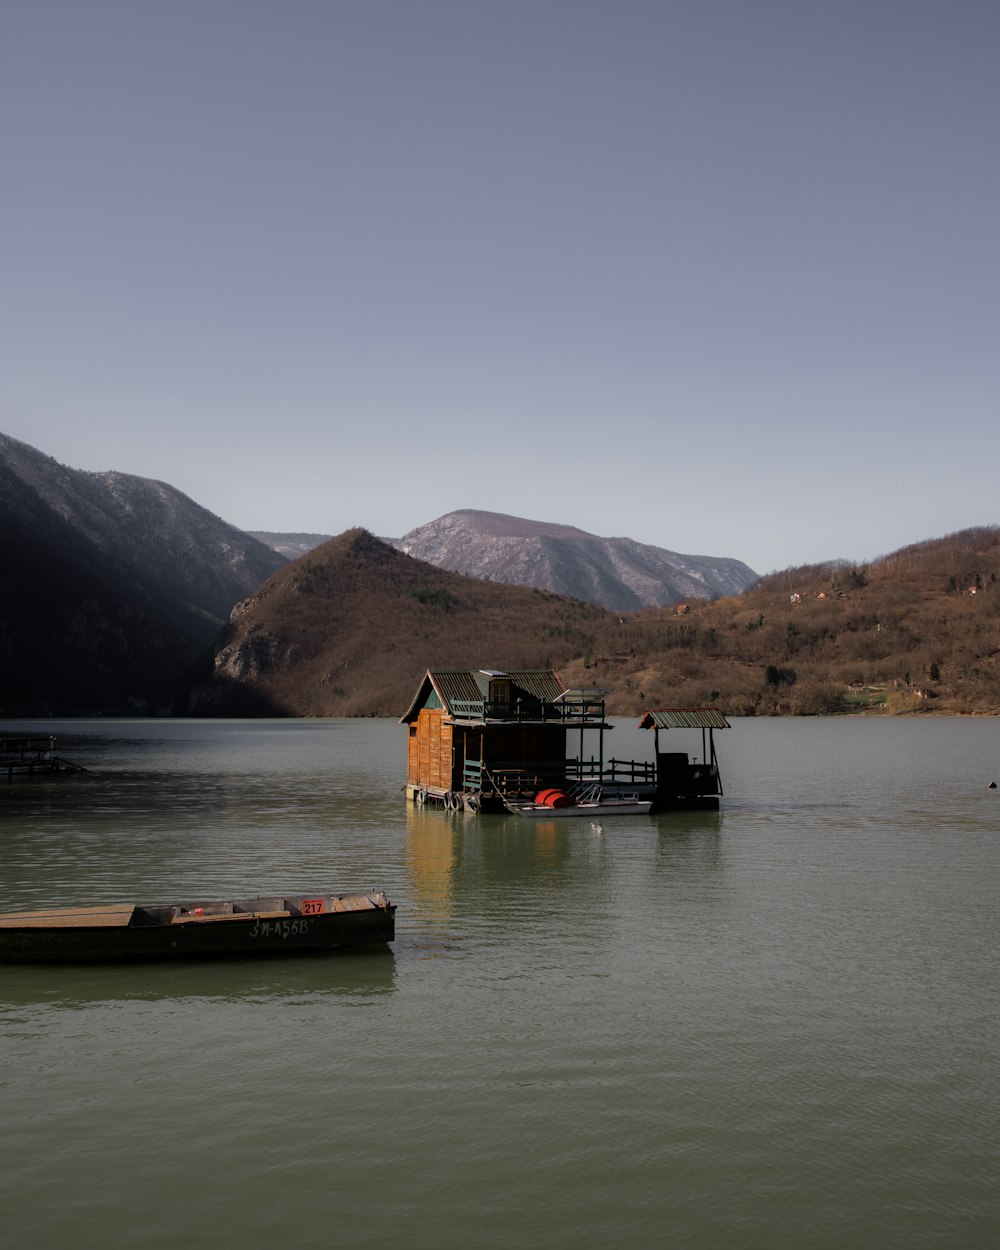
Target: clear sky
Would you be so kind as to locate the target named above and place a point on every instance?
(719, 275)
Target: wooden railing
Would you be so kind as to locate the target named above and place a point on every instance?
(633, 772)
(27, 756)
(26, 749)
(528, 710)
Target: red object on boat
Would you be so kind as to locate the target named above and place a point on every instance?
(553, 798)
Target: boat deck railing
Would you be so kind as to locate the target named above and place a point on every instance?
(510, 779)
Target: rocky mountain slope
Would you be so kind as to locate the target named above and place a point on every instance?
(618, 573)
(349, 629)
(112, 583)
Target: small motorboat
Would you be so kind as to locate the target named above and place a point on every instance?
(554, 802)
(268, 925)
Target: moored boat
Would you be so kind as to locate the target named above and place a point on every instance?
(266, 925)
(534, 809)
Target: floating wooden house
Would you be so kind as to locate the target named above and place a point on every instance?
(479, 738)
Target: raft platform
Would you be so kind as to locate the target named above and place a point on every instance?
(31, 757)
(495, 741)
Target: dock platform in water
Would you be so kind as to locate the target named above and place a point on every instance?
(31, 757)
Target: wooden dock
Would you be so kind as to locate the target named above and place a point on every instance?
(31, 757)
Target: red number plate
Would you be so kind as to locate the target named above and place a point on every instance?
(312, 906)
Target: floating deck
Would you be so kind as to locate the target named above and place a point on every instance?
(493, 740)
(31, 757)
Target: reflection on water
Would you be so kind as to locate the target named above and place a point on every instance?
(352, 974)
(432, 853)
(689, 843)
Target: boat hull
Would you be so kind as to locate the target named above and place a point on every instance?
(540, 811)
(189, 935)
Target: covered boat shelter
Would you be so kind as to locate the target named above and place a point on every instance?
(683, 782)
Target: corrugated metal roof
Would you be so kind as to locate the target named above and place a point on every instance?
(684, 718)
(539, 683)
(451, 684)
(454, 684)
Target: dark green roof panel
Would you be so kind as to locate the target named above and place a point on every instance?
(684, 718)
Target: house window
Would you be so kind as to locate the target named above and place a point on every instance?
(500, 692)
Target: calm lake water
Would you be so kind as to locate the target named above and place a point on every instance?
(772, 1026)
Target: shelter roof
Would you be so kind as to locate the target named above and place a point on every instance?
(466, 685)
(684, 718)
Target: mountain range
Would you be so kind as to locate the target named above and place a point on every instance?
(115, 585)
(618, 573)
(121, 594)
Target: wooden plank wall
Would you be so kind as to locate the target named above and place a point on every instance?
(429, 757)
(413, 753)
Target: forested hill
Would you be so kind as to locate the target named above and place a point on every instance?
(350, 628)
(914, 631)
